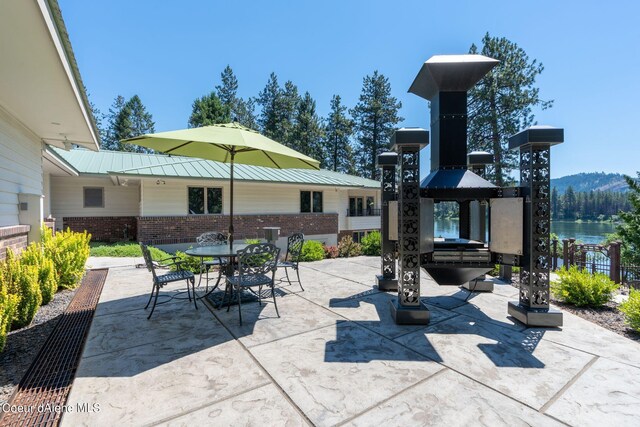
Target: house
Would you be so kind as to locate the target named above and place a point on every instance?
(170, 200)
(42, 103)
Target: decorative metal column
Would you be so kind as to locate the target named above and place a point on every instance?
(387, 281)
(408, 308)
(477, 162)
(534, 145)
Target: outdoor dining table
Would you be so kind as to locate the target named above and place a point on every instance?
(217, 251)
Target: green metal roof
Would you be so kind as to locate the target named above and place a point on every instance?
(120, 163)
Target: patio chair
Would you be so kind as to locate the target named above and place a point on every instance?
(212, 238)
(294, 248)
(160, 280)
(257, 265)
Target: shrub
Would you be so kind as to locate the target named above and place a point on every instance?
(47, 280)
(252, 241)
(125, 250)
(372, 244)
(312, 250)
(631, 309)
(581, 288)
(22, 281)
(348, 248)
(8, 305)
(189, 263)
(69, 252)
(330, 252)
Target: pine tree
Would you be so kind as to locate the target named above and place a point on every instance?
(501, 104)
(270, 100)
(239, 110)
(228, 89)
(109, 138)
(132, 120)
(290, 101)
(307, 132)
(629, 230)
(375, 116)
(207, 111)
(338, 131)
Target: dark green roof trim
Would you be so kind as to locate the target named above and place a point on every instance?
(66, 43)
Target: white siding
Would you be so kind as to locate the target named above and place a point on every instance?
(170, 198)
(20, 166)
(67, 197)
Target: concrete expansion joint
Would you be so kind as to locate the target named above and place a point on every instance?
(575, 378)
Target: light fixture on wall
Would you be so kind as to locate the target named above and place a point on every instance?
(67, 144)
(160, 182)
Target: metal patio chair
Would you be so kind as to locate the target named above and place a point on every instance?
(212, 238)
(257, 265)
(294, 249)
(160, 280)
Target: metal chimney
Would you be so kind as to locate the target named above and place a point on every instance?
(444, 80)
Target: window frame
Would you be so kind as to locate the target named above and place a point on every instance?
(84, 197)
(205, 200)
(311, 202)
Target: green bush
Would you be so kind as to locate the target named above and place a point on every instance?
(631, 309)
(8, 305)
(252, 241)
(69, 252)
(581, 288)
(372, 244)
(22, 281)
(312, 250)
(47, 280)
(348, 248)
(124, 250)
(188, 263)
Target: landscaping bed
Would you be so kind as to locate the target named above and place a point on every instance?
(24, 344)
(608, 316)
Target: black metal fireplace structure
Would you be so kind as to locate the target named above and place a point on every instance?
(518, 232)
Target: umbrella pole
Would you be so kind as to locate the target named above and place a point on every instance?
(231, 202)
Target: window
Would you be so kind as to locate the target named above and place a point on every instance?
(93, 197)
(311, 201)
(356, 206)
(197, 200)
(358, 235)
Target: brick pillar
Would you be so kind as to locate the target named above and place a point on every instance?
(534, 144)
(408, 308)
(387, 280)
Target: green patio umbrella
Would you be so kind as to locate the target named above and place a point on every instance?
(230, 143)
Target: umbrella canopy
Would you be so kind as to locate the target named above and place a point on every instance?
(231, 143)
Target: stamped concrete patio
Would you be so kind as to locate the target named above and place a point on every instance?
(336, 357)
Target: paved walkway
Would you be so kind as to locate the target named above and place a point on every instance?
(336, 357)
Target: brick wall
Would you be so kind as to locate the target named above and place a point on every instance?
(185, 229)
(14, 237)
(103, 228)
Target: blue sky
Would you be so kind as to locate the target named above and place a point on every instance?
(170, 53)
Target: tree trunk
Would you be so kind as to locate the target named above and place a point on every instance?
(495, 139)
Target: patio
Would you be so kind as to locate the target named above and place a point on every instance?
(336, 357)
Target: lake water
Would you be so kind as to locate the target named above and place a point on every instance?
(587, 232)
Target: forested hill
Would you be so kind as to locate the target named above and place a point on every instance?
(590, 181)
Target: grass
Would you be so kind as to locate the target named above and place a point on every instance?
(99, 249)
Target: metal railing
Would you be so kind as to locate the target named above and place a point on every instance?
(364, 212)
(604, 259)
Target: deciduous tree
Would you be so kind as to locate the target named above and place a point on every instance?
(209, 110)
